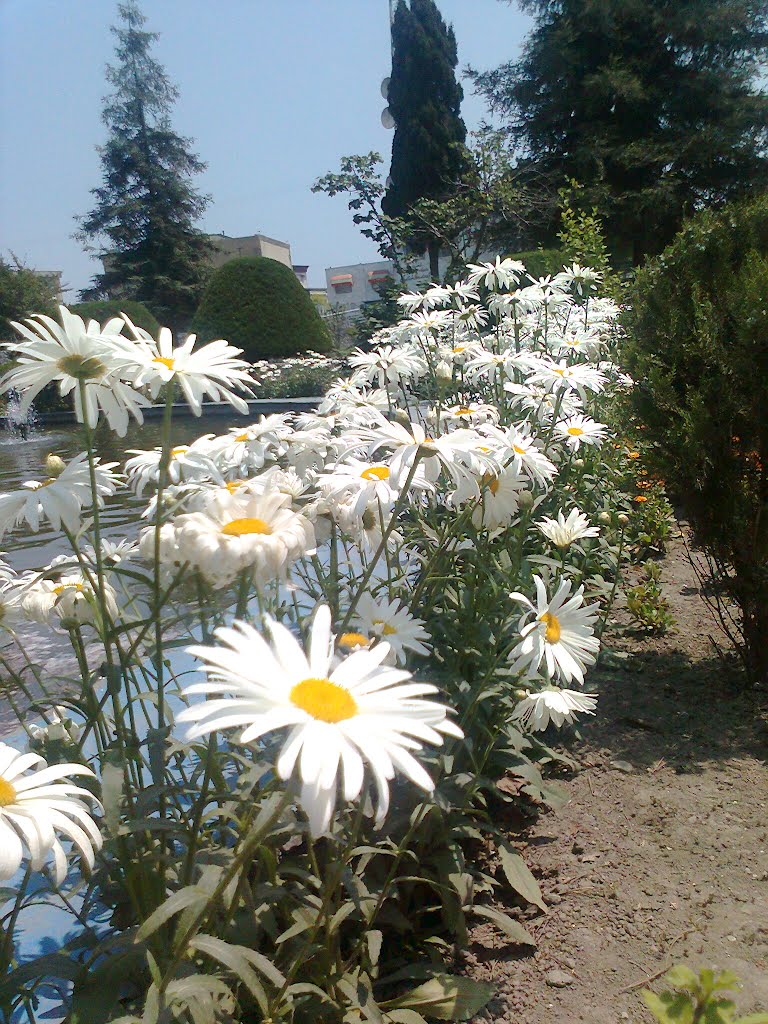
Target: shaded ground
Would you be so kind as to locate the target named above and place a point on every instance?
(661, 854)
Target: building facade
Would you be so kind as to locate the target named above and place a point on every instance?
(227, 248)
(353, 285)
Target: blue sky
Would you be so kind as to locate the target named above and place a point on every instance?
(273, 92)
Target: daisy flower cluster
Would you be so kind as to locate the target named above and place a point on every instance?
(330, 594)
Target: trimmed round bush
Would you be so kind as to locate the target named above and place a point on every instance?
(697, 348)
(104, 309)
(259, 305)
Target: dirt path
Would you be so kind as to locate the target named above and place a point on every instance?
(661, 854)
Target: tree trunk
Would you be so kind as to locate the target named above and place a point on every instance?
(433, 248)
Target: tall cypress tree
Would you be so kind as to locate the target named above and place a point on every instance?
(654, 105)
(425, 102)
(146, 206)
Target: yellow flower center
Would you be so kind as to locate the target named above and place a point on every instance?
(386, 629)
(458, 348)
(462, 412)
(323, 700)
(243, 437)
(59, 590)
(560, 373)
(176, 452)
(240, 527)
(163, 361)
(518, 449)
(375, 473)
(7, 793)
(491, 482)
(234, 485)
(82, 367)
(350, 640)
(552, 634)
(575, 431)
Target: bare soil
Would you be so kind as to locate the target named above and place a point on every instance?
(661, 854)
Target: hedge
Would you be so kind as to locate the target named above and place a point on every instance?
(259, 305)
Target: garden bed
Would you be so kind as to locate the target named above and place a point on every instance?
(660, 854)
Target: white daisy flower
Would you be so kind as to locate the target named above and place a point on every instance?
(501, 274)
(360, 481)
(563, 530)
(578, 430)
(36, 803)
(243, 531)
(11, 608)
(71, 353)
(387, 365)
(561, 633)
(214, 369)
(345, 714)
(187, 464)
(535, 711)
(69, 601)
(390, 620)
(59, 499)
(578, 377)
(500, 498)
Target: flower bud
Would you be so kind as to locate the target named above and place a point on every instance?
(525, 501)
(623, 518)
(54, 466)
(604, 518)
(578, 463)
(444, 372)
(401, 417)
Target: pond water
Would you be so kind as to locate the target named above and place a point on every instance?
(44, 927)
(22, 460)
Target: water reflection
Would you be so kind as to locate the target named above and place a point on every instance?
(22, 460)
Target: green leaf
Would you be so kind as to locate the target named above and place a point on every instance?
(241, 961)
(669, 1008)
(681, 976)
(404, 1017)
(511, 928)
(519, 877)
(753, 1018)
(446, 997)
(190, 896)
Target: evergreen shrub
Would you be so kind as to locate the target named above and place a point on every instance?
(697, 349)
(259, 305)
(104, 309)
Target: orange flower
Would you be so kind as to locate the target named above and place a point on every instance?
(639, 498)
(633, 455)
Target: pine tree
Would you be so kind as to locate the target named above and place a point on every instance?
(653, 105)
(425, 102)
(146, 206)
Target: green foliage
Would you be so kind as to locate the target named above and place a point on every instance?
(697, 350)
(425, 102)
(655, 105)
(541, 262)
(22, 293)
(698, 999)
(646, 602)
(582, 237)
(146, 206)
(259, 305)
(105, 309)
(488, 207)
(360, 178)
